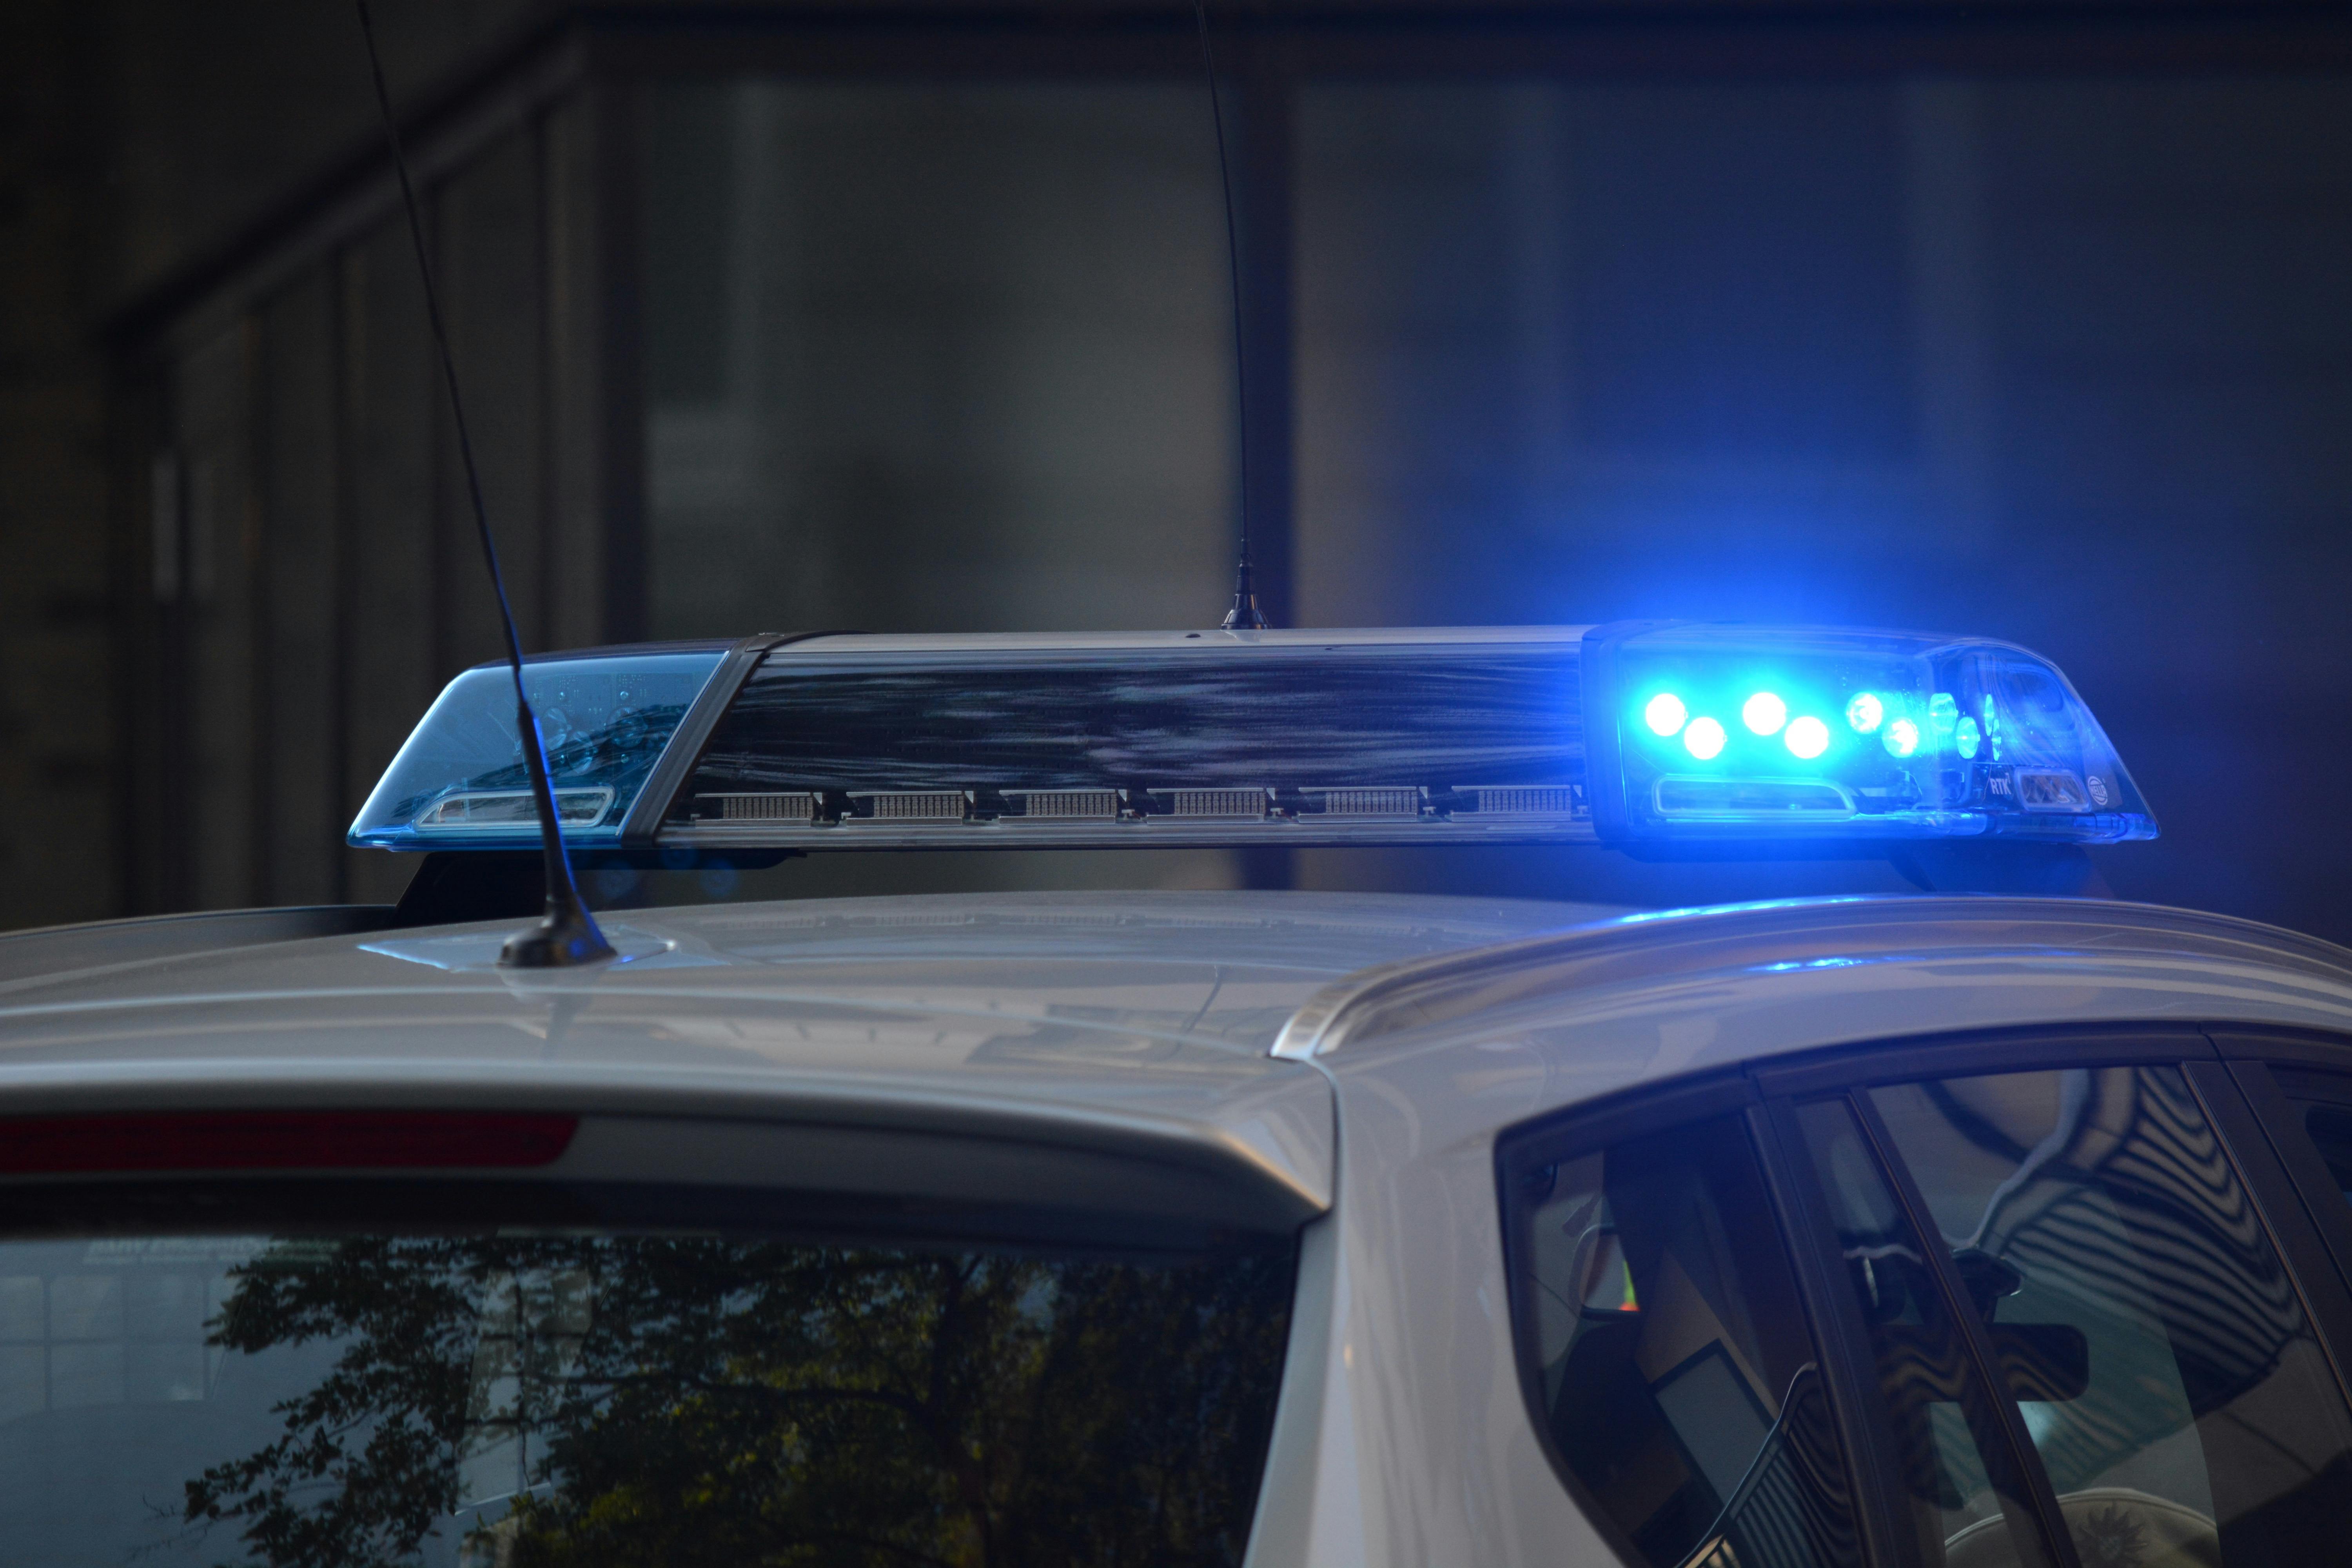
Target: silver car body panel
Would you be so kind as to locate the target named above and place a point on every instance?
(1046, 1031)
(1404, 1437)
(1096, 1026)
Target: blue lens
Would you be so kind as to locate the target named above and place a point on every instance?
(1968, 737)
(1866, 712)
(1807, 737)
(1704, 739)
(1665, 713)
(1902, 738)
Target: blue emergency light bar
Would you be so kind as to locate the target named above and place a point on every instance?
(1630, 734)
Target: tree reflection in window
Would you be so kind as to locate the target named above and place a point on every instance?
(687, 1399)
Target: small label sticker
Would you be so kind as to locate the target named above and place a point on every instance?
(2050, 789)
(2098, 788)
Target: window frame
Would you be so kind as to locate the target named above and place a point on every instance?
(2273, 1073)
(2229, 1072)
(1598, 1125)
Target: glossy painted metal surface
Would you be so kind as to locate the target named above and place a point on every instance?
(51, 950)
(1414, 1446)
(1103, 1022)
(1088, 1019)
(1794, 973)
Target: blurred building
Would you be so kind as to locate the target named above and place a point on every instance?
(2032, 321)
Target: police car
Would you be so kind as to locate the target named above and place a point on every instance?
(1970, 1227)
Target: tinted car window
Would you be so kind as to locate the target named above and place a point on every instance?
(2196, 1415)
(1676, 1373)
(588, 1397)
(2330, 1130)
(1967, 1497)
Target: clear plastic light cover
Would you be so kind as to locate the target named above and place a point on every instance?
(1395, 736)
(1710, 731)
(460, 781)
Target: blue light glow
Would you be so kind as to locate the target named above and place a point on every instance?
(1665, 713)
(1796, 731)
(1943, 718)
(1764, 713)
(606, 718)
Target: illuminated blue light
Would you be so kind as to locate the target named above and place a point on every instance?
(1943, 718)
(1824, 703)
(1764, 713)
(1665, 713)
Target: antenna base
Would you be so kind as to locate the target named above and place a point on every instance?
(1245, 616)
(557, 943)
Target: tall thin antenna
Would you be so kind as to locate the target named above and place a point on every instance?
(1244, 615)
(567, 935)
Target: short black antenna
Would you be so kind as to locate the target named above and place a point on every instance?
(567, 933)
(1244, 615)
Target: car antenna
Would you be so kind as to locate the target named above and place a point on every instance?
(567, 935)
(1244, 615)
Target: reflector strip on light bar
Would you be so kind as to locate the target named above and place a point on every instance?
(1625, 733)
(281, 1140)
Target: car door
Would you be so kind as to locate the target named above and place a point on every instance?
(2044, 1300)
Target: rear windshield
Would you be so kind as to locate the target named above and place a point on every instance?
(575, 1398)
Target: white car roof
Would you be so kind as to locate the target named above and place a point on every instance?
(1180, 1021)
(1127, 1017)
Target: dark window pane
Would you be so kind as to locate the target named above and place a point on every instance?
(1967, 1499)
(1676, 1371)
(615, 1398)
(934, 355)
(2097, 1221)
(689, 173)
(2330, 1128)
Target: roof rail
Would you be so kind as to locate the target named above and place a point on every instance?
(1412, 994)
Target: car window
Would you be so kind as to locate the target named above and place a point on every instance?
(584, 1396)
(1967, 1498)
(2329, 1127)
(2321, 1105)
(1677, 1378)
(2168, 1376)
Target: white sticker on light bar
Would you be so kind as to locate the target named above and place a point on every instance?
(1700, 731)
